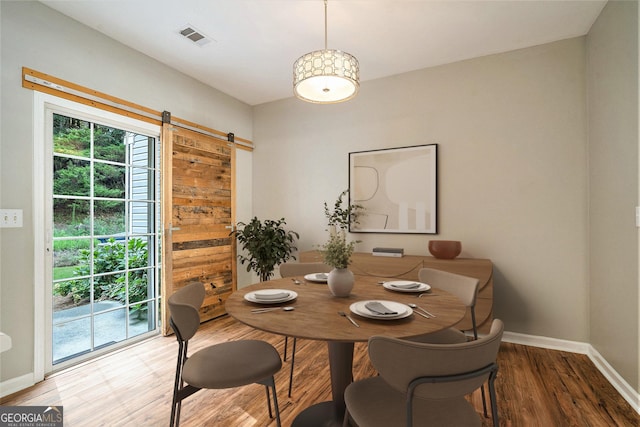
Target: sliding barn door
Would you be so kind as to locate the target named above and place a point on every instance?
(198, 188)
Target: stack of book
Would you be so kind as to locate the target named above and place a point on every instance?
(392, 252)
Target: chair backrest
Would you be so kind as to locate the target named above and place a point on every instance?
(184, 306)
(290, 269)
(464, 287)
(401, 361)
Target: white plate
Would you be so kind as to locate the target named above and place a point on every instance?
(270, 296)
(317, 277)
(405, 286)
(402, 309)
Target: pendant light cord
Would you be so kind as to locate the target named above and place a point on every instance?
(325, 24)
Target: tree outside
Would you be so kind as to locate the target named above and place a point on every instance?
(79, 176)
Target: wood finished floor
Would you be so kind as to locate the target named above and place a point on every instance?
(133, 387)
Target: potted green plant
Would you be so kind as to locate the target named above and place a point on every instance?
(340, 216)
(337, 251)
(266, 244)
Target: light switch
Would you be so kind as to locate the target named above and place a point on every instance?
(10, 218)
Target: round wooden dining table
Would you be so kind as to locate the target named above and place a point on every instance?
(315, 316)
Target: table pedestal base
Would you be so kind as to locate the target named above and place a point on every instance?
(319, 415)
(331, 413)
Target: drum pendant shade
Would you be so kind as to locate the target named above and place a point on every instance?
(326, 76)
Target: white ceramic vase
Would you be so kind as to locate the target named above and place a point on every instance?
(340, 282)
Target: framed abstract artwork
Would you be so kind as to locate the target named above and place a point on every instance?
(396, 188)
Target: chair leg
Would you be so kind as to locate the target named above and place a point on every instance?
(176, 402)
(175, 415)
(293, 360)
(286, 344)
(345, 420)
(492, 398)
(175, 410)
(266, 387)
(484, 402)
(271, 383)
(275, 404)
(475, 337)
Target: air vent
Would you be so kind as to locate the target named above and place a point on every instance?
(195, 35)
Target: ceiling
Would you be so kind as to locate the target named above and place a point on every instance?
(255, 42)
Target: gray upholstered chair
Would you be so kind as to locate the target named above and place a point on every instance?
(293, 270)
(466, 289)
(424, 384)
(226, 365)
(301, 269)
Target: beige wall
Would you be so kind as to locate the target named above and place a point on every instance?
(612, 51)
(37, 37)
(515, 143)
(512, 178)
(512, 131)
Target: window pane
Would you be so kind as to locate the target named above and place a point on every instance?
(141, 318)
(142, 217)
(109, 328)
(70, 258)
(139, 287)
(71, 136)
(71, 177)
(71, 217)
(76, 336)
(109, 144)
(69, 294)
(138, 253)
(141, 184)
(109, 218)
(109, 287)
(109, 181)
(141, 146)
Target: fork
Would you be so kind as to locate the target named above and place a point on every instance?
(417, 312)
(343, 314)
(266, 310)
(430, 314)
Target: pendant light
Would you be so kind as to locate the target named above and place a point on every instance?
(326, 76)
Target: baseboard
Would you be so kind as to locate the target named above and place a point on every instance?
(15, 385)
(629, 394)
(626, 391)
(546, 342)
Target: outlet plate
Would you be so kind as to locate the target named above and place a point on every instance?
(10, 218)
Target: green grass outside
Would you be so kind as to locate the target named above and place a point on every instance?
(63, 272)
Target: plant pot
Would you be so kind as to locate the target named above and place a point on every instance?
(340, 282)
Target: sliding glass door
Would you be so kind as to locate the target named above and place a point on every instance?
(104, 228)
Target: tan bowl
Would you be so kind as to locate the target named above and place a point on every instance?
(445, 249)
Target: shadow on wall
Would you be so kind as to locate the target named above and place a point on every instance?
(507, 303)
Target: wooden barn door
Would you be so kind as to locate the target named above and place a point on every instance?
(198, 188)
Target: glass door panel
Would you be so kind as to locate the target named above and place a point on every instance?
(105, 237)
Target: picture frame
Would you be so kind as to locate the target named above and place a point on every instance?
(396, 189)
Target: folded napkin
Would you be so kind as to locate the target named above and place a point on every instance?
(379, 308)
(321, 276)
(270, 296)
(406, 285)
